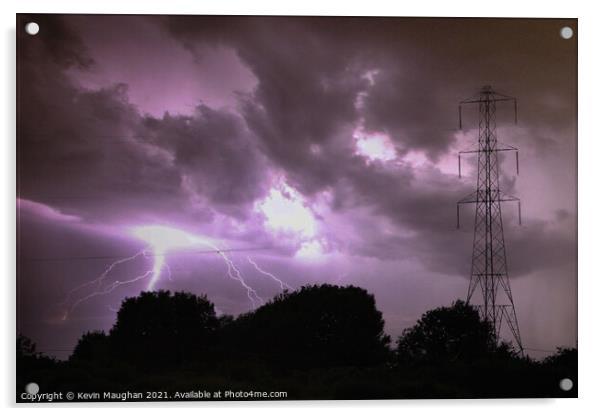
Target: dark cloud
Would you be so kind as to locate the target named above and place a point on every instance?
(59, 44)
(91, 152)
(311, 71)
(301, 116)
(316, 82)
(216, 154)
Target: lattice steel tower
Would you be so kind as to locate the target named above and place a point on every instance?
(489, 268)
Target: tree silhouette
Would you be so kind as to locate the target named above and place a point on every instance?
(320, 342)
(564, 364)
(158, 329)
(25, 347)
(316, 326)
(448, 334)
(29, 360)
(92, 346)
(564, 357)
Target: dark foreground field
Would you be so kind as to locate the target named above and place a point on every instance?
(320, 342)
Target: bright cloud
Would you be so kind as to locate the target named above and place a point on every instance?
(163, 239)
(285, 211)
(375, 146)
(310, 250)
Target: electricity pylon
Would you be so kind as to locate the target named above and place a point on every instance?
(489, 267)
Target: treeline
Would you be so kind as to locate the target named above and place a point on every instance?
(319, 342)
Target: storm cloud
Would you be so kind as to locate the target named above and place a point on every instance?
(284, 119)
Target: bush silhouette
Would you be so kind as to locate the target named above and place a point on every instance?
(316, 326)
(158, 329)
(448, 334)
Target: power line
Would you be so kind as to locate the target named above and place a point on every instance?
(150, 254)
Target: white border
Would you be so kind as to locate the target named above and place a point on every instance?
(590, 137)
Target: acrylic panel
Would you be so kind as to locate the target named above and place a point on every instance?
(295, 208)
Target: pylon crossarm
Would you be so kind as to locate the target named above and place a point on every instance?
(506, 148)
(470, 198)
(504, 95)
(483, 100)
(511, 198)
(466, 200)
(487, 95)
(474, 201)
(507, 197)
(499, 149)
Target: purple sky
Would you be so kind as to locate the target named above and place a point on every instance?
(327, 143)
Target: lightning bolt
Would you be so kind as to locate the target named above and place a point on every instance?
(180, 239)
(156, 272)
(169, 273)
(98, 281)
(107, 290)
(158, 245)
(112, 309)
(282, 284)
(98, 291)
(234, 273)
